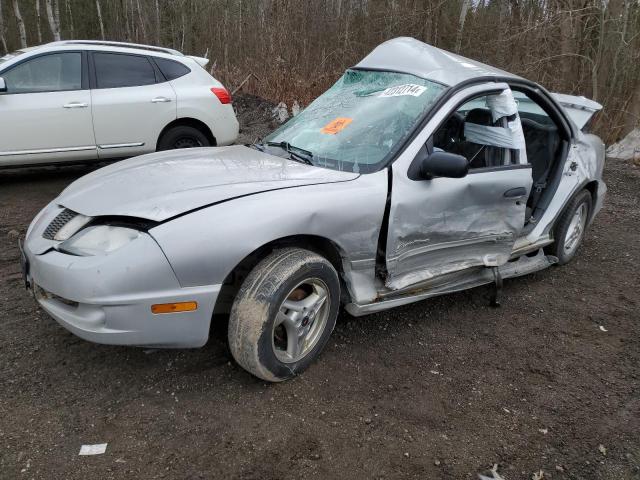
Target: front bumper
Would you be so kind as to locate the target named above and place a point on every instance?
(108, 299)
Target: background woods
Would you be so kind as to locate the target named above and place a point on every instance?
(297, 48)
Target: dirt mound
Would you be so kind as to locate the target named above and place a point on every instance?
(256, 117)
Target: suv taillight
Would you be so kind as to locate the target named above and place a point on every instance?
(222, 94)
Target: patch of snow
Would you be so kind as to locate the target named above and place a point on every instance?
(626, 149)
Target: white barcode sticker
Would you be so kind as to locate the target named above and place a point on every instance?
(410, 89)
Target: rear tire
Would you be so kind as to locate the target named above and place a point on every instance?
(571, 227)
(284, 313)
(182, 136)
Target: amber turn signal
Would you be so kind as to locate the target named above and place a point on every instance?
(174, 307)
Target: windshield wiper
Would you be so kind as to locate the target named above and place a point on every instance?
(295, 153)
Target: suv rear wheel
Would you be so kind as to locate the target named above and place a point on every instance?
(284, 314)
(182, 136)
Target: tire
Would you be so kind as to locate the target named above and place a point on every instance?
(567, 238)
(182, 136)
(260, 325)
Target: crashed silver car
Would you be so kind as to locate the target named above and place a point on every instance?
(418, 173)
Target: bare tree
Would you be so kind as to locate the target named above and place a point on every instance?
(101, 23)
(3, 41)
(53, 16)
(70, 13)
(22, 31)
(464, 9)
(158, 25)
(38, 29)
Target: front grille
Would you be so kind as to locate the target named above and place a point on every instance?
(57, 223)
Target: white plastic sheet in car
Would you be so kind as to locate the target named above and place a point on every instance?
(511, 137)
(502, 137)
(502, 105)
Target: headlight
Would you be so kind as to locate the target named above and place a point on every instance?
(71, 227)
(98, 240)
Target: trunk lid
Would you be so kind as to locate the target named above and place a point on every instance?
(580, 109)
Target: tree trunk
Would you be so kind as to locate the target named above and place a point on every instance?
(157, 22)
(71, 29)
(99, 10)
(141, 22)
(20, 23)
(53, 16)
(3, 41)
(38, 29)
(463, 16)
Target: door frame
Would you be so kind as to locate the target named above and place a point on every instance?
(403, 162)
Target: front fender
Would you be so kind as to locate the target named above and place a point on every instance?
(203, 247)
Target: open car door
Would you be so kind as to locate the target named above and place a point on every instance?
(442, 225)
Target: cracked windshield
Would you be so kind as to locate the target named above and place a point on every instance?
(356, 123)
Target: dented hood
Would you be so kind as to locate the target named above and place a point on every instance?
(165, 184)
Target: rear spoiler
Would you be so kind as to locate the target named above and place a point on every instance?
(580, 109)
(199, 60)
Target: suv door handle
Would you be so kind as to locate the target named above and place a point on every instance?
(75, 105)
(160, 100)
(515, 192)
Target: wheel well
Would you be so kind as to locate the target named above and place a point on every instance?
(234, 279)
(189, 122)
(593, 189)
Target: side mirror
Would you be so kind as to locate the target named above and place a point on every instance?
(443, 164)
(3, 85)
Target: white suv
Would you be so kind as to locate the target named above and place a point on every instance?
(88, 100)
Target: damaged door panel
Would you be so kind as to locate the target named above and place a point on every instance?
(442, 225)
(446, 224)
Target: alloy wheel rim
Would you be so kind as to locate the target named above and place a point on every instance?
(301, 320)
(187, 142)
(576, 229)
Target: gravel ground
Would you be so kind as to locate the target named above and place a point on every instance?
(443, 388)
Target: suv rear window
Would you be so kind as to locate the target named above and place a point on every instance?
(115, 70)
(171, 69)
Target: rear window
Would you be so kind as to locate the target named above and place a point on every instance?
(171, 69)
(114, 70)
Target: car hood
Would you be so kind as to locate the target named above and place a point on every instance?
(162, 185)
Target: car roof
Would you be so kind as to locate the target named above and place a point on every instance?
(408, 55)
(110, 46)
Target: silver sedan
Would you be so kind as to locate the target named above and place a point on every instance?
(417, 174)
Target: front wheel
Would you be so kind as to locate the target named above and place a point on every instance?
(284, 313)
(570, 230)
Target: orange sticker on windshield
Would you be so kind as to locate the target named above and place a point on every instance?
(337, 125)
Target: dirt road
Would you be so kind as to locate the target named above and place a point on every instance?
(440, 389)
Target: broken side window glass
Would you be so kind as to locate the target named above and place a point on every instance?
(486, 130)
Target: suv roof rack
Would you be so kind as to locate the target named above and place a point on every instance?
(121, 44)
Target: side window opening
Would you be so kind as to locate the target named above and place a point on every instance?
(543, 141)
(117, 70)
(53, 72)
(486, 130)
(170, 68)
(542, 137)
